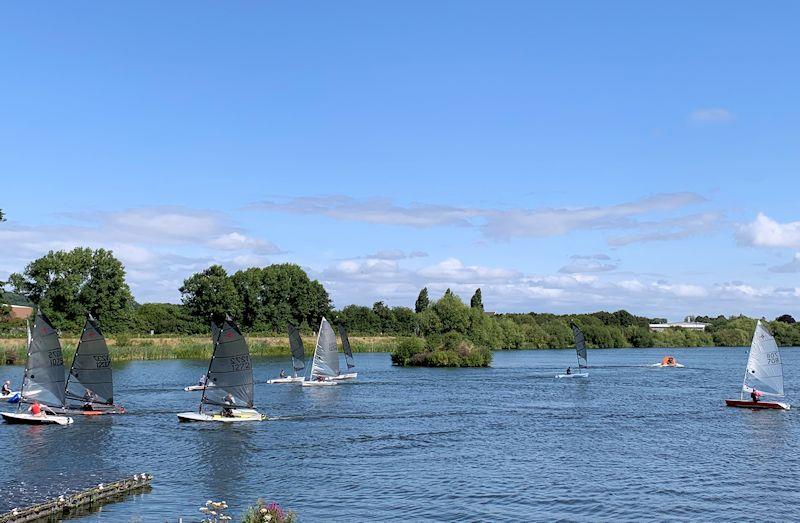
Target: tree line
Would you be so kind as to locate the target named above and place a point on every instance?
(67, 285)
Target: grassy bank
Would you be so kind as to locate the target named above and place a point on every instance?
(125, 348)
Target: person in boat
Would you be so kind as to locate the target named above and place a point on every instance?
(6, 390)
(755, 395)
(320, 378)
(230, 403)
(569, 370)
(282, 374)
(202, 381)
(89, 397)
(36, 409)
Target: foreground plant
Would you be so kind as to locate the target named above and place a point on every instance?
(263, 512)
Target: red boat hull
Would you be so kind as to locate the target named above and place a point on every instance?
(757, 404)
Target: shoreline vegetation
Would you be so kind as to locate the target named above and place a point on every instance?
(263, 300)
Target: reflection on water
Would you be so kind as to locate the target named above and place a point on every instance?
(631, 442)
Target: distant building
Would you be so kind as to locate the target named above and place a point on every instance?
(20, 311)
(691, 325)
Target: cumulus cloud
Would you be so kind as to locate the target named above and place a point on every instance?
(159, 246)
(712, 115)
(504, 224)
(766, 232)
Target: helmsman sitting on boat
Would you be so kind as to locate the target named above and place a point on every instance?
(6, 390)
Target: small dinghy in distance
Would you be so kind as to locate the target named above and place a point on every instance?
(298, 358)
(90, 384)
(231, 374)
(194, 388)
(326, 358)
(348, 358)
(44, 380)
(763, 374)
(668, 361)
(580, 350)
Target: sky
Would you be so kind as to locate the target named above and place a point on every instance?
(562, 156)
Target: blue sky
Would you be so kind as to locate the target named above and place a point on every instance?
(563, 156)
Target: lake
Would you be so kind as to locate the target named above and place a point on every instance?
(506, 443)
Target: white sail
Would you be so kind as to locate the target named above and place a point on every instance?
(326, 356)
(764, 369)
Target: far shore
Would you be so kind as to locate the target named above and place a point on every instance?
(126, 348)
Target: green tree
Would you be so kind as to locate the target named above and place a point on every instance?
(167, 318)
(2, 216)
(477, 300)
(452, 312)
(359, 320)
(422, 301)
(211, 295)
(785, 318)
(68, 285)
(385, 317)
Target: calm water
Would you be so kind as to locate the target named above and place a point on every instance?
(506, 443)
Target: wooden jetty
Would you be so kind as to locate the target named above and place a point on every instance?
(81, 502)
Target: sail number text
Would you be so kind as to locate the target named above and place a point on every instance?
(55, 358)
(240, 363)
(773, 358)
(102, 361)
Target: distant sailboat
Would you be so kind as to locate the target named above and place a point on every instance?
(326, 358)
(348, 358)
(44, 377)
(763, 375)
(580, 350)
(298, 358)
(90, 385)
(229, 378)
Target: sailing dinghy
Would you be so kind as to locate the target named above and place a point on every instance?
(580, 350)
(231, 374)
(763, 375)
(668, 361)
(326, 358)
(298, 358)
(43, 381)
(348, 358)
(90, 386)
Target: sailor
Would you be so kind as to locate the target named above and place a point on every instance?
(88, 398)
(6, 390)
(35, 408)
(282, 374)
(202, 381)
(569, 371)
(755, 395)
(229, 402)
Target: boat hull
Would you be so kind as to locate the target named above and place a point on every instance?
(674, 365)
(290, 379)
(776, 405)
(30, 419)
(573, 375)
(192, 388)
(344, 377)
(326, 383)
(239, 416)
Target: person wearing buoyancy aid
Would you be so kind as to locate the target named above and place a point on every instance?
(755, 395)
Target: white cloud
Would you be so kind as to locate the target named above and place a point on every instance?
(712, 115)
(766, 232)
(452, 270)
(593, 263)
(503, 224)
(792, 266)
(236, 241)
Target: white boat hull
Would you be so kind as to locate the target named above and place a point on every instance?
(239, 416)
(573, 375)
(314, 383)
(343, 377)
(675, 365)
(30, 419)
(289, 379)
(192, 388)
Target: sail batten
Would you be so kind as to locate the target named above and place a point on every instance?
(230, 370)
(348, 351)
(326, 357)
(764, 370)
(44, 379)
(296, 346)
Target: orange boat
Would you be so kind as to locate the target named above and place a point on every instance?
(668, 361)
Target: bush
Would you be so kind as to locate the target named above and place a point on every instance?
(449, 350)
(263, 512)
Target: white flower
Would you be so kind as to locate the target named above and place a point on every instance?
(263, 511)
(204, 510)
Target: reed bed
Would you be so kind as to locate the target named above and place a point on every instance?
(126, 348)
